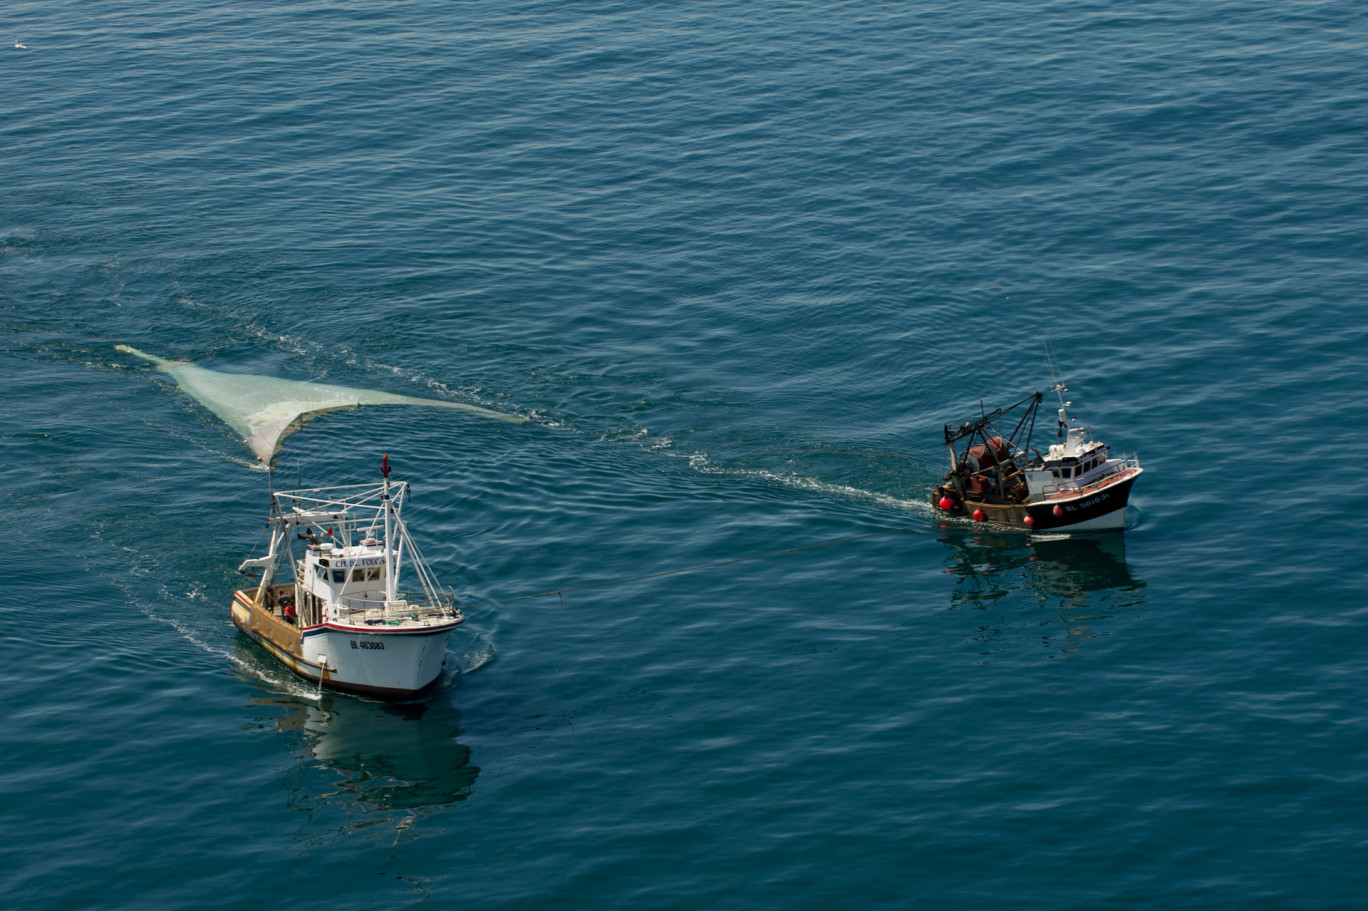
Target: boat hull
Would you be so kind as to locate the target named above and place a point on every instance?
(380, 662)
(1101, 508)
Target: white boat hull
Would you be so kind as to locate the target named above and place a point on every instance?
(391, 664)
(383, 662)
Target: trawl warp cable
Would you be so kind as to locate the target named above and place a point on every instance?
(693, 569)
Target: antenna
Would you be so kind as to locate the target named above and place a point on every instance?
(1059, 388)
(1057, 385)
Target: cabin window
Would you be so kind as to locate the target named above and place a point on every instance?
(322, 573)
(373, 574)
(1054, 472)
(358, 575)
(339, 575)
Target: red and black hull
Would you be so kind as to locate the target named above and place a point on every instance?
(1100, 508)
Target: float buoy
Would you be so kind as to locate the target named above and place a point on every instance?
(945, 503)
(1030, 522)
(1059, 512)
(978, 515)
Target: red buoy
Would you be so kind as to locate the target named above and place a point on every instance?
(978, 515)
(1059, 512)
(1030, 522)
(945, 503)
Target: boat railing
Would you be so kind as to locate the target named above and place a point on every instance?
(1120, 463)
(378, 610)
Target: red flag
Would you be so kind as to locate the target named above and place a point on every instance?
(384, 466)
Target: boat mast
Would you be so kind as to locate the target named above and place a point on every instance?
(268, 563)
(390, 567)
(1058, 388)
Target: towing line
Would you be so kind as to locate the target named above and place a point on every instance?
(562, 592)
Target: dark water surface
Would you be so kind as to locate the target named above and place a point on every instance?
(738, 262)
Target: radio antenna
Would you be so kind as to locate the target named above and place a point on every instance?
(1057, 385)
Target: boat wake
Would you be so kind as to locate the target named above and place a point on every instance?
(249, 665)
(709, 461)
(704, 464)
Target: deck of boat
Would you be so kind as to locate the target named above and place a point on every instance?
(261, 622)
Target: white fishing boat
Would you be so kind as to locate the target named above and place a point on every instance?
(342, 618)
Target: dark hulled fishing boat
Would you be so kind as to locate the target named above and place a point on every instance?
(995, 476)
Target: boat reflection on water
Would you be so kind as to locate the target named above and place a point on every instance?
(375, 758)
(1085, 579)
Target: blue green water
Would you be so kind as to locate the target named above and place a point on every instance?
(738, 262)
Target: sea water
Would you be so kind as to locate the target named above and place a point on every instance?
(737, 264)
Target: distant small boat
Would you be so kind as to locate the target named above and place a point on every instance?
(1078, 485)
(340, 618)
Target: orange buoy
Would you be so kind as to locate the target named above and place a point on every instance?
(1030, 522)
(945, 503)
(978, 515)
(1059, 512)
